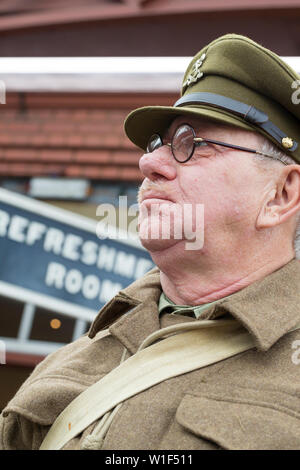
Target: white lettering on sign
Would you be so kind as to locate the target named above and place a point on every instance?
(74, 282)
(125, 264)
(90, 287)
(16, 228)
(109, 289)
(55, 275)
(72, 247)
(142, 266)
(72, 243)
(53, 240)
(106, 258)
(89, 253)
(35, 232)
(4, 221)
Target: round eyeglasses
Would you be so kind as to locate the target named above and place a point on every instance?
(184, 141)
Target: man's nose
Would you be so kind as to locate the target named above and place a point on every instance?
(158, 164)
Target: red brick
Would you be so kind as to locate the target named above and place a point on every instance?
(22, 139)
(92, 172)
(20, 154)
(74, 140)
(29, 169)
(97, 115)
(108, 172)
(92, 140)
(80, 114)
(18, 169)
(73, 170)
(127, 144)
(125, 158)
(131, 174)
(39, 139)
(40, 113)
(5, 139)
(12, 100)
(9, 113)
(55, 140)
(56, 155)
(57, 126)
(117, 116)
(92, 156)
(3, 124)
(3, 168)
(22, 126)
(94, 128)
(54, 169)
(63, 114)
(110, 140)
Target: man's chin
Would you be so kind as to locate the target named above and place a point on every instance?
(157, 244)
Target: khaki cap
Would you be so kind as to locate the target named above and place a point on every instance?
(236, 81)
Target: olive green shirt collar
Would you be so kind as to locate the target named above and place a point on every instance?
(166, 305)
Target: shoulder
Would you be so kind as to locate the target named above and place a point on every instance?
(54, 383)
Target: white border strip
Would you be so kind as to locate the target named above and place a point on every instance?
(49, 303)
(93, 65)
(98, 74)
(26, 321)
(104, 65)
(35, 347)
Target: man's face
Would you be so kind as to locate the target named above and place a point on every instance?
(226, 182)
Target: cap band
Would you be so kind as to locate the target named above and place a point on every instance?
(247, 112)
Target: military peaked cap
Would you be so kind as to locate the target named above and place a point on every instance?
(232, 80)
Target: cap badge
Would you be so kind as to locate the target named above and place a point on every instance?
(195, 74)
(287, 142)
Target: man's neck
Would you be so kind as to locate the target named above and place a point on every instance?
(196, 287)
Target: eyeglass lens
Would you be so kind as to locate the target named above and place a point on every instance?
(183, 143)
(154, 143)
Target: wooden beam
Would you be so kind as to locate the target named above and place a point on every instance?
(83, 14)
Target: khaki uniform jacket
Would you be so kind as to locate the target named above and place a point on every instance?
(249, 401)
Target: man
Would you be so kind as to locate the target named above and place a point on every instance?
(230, 145)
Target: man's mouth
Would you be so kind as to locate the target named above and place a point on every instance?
(155, 196)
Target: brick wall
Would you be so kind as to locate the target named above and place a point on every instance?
(70, 135)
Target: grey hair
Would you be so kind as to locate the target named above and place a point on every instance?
(269, 148)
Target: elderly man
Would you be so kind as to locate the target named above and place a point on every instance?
(201, 353)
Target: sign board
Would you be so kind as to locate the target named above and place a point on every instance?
(54, 259)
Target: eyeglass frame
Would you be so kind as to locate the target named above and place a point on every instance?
(198, 140)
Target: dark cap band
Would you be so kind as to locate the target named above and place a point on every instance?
(247, 112)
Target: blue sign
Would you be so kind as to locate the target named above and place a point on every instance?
(56, 256)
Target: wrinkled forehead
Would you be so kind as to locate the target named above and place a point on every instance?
(210, 129)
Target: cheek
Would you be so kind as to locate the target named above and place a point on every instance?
(212, 192)
(224, 201)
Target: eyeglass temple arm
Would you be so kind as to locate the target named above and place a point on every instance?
(244, 149)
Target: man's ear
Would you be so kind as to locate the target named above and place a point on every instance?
(281, 203)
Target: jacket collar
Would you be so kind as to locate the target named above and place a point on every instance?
(268, 308)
